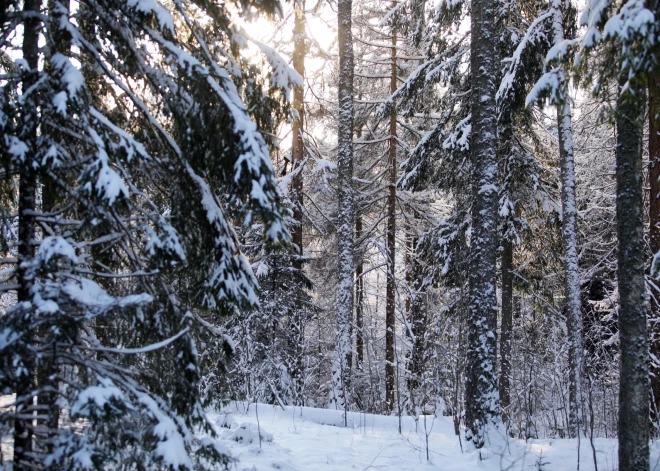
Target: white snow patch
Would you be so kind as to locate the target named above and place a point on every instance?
(247, 433)
(306, 439)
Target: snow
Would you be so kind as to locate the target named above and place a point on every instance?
(548, 81)
(305, 439)
(55, 246)
(460, 137)
(72, 78)
(247, 433)
(97, 396)
(514, 62)
(147, 6)
(324, 165)
(17, 148)
(281, 76)
(59, 102)
(633, 19)
(172, 445)
(109, 183)
(90, 294)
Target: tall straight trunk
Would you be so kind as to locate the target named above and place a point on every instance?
(634, 357)
(390, 307)
(569, 236)
(654, 236)
(23, 430)
(359, 298)
(340, 367)
(359, 282)
(297, 156)
(481, 390)
(506, 328)
(298, 146)
(418, 323)
(47, 368)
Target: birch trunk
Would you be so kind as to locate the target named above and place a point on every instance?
(634, 357)
(569, 237)
(481, 390)
(341, 366)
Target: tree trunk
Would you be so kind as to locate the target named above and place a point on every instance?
(47, 368)
(506, 328)
(418, 322)
(343, 347)
(26, 236)
(298, 146)
(359, 295)
(634, 357)
(569, 236)
(481, 389)
(390, 308)
(654, 238)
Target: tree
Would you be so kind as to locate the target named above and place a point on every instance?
(631, 39)
(343, 345)
(654, 238)
(481, 394)
(115, 276)
(633, 392)
(390, 308)
(298, 143)
(556, 82)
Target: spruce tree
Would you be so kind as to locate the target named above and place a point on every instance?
(115, 275)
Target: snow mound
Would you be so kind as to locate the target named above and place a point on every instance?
(247, 433)
(227, 421)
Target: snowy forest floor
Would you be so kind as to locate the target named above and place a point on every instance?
(307, 439)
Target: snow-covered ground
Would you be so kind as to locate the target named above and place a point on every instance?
(306, 439)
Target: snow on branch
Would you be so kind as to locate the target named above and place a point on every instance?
(534, 33)
(146, 349)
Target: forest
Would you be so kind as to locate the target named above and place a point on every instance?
(411, 212)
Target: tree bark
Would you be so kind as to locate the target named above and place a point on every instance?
(390, 308)
(506, 328)
(343, 347)
(47, 368)
(634, 357)
(297, 145)
(481, 390)
(418, 323)
(23, 431)
(359, 298)
(569, 236)
(654, 238)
